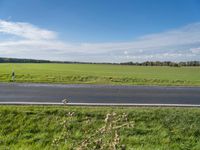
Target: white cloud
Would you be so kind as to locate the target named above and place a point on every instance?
(33, 42)
(195, 50)
(25, 30)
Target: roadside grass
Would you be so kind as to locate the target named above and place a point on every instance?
(101, 74)
(109, 128)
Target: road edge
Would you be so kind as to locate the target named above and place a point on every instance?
(102, 104)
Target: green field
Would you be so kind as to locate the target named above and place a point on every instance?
(101, 74)
(53, 128)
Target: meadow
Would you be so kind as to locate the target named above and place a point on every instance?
(101, 74)
(82, 128)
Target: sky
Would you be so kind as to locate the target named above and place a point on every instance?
(100, 30)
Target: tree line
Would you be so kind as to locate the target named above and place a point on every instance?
(16, 60)
(163, 63)
(146, 63)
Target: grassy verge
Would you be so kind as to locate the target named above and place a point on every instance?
(101, 74)
(51, 127)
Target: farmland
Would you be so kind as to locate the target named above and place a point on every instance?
(101, 74)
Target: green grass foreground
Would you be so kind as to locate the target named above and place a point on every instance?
(109, 128)
(101, 74)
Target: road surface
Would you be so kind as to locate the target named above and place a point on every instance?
(51, 93)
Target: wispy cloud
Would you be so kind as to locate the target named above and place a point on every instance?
(33, 42)
(195, 50)
(26, 30)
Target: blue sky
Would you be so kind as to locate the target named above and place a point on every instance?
(100, 30)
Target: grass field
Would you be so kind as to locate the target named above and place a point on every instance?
(51, 128)
(101, 74)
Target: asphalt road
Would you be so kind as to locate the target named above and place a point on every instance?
(51, 93)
